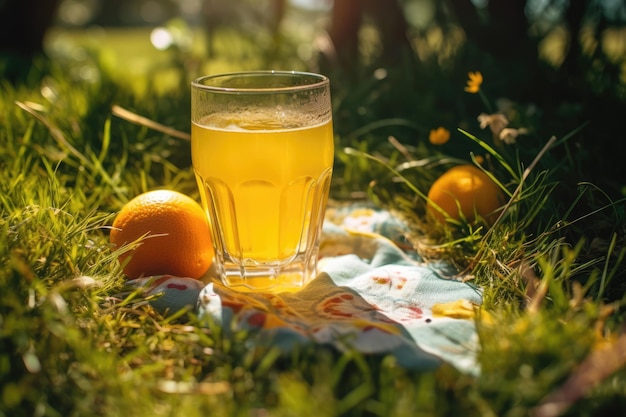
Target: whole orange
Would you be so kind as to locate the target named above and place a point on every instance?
(465, 192)
(174, 232)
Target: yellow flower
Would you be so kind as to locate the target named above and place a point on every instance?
(439, 136)
(474, 82)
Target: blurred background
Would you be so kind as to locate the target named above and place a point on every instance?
(585, 41)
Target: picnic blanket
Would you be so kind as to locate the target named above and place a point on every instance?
(371, 294)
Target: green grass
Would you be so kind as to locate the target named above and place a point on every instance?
(74, 342)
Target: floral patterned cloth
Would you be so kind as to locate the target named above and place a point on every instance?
(370, 295)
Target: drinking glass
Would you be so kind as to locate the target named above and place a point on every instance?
(262, 151)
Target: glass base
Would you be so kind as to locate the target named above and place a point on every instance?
(271, 278)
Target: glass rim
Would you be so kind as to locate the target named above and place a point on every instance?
(198, 83)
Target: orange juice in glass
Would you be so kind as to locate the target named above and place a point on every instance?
(262, 149)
